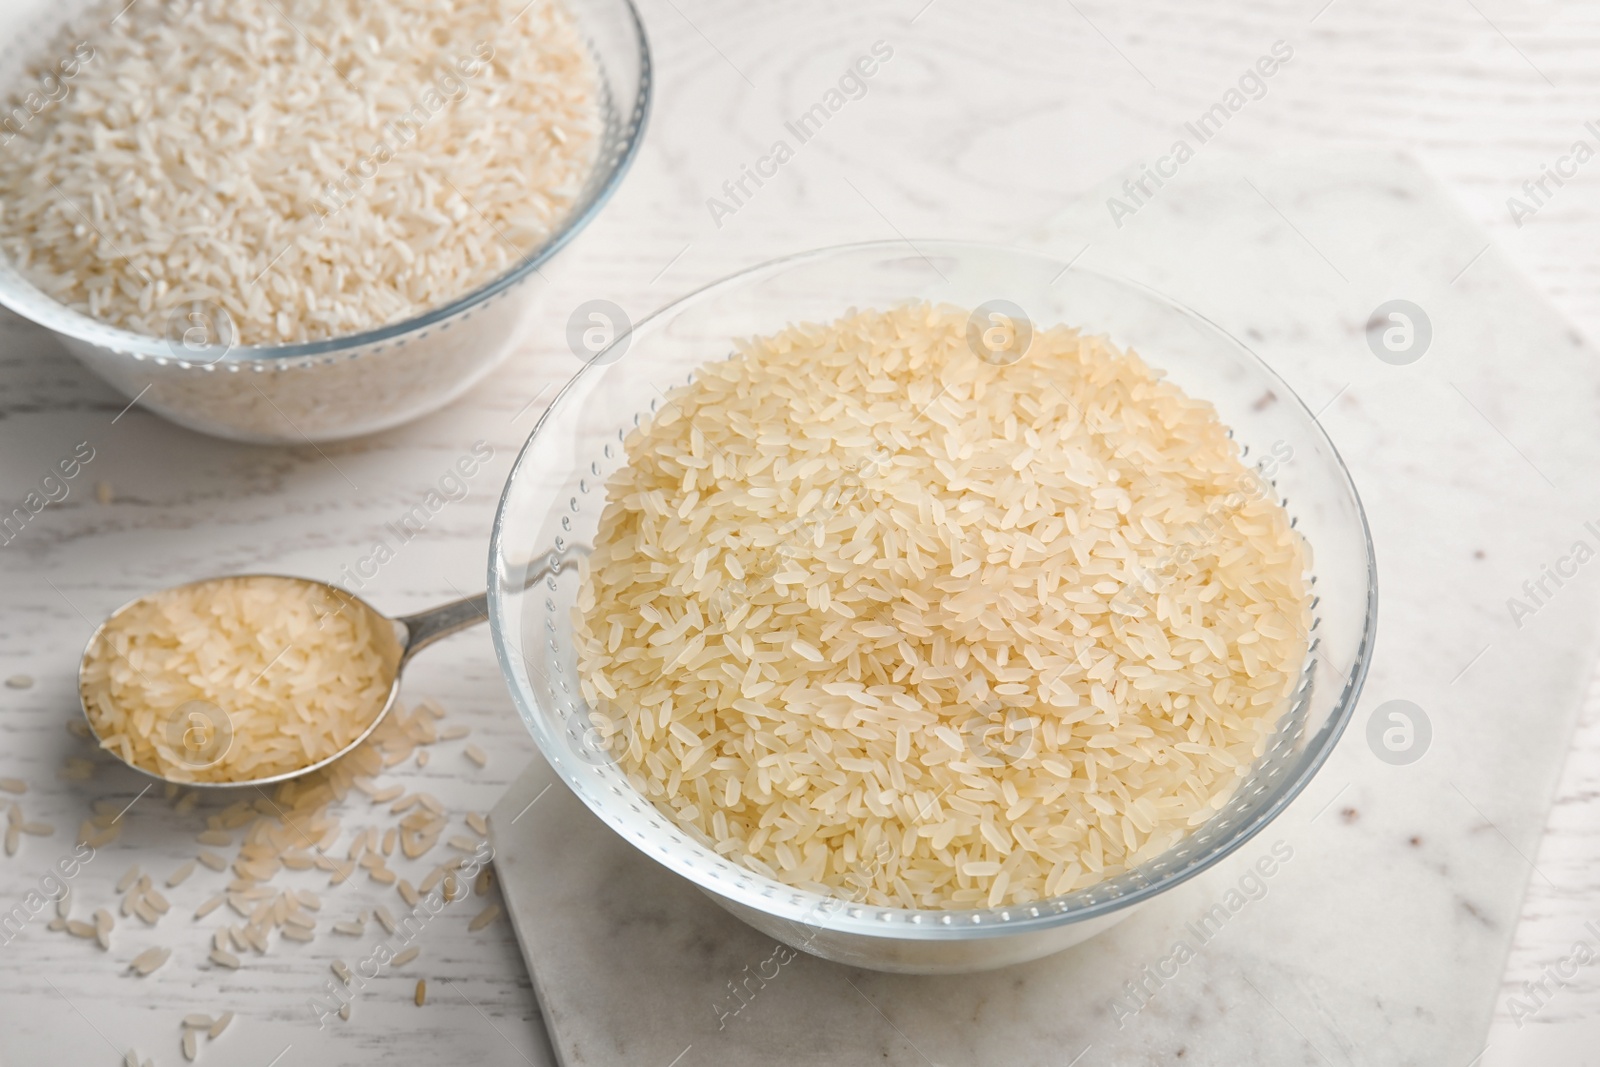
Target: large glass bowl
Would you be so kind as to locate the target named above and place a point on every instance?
(363, 382)
(553, 498)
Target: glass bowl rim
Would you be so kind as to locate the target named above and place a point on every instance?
(58, 317)
(832, 912)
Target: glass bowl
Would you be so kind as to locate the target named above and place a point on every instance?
(363, 382)
(554, 495)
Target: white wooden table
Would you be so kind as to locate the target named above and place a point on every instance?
(978, 126)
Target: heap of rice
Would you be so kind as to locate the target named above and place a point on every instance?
(312, 167)
(293, 673)
(878, 618)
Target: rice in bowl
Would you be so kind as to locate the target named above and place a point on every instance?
(264, 172)
(873, 616)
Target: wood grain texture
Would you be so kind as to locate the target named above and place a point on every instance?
(984, 121)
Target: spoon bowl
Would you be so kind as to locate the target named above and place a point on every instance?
(201, 733)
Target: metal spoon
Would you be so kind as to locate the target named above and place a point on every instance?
(204, 732)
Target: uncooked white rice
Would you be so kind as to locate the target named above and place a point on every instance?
(130, 876)
(315, 168)
(150, 959)
(873, 616)
(297, 674)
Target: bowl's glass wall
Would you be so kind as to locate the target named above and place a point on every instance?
(344, 386)
(556, 492)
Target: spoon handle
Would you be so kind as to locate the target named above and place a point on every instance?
(426, 627)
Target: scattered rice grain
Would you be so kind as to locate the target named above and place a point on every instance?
(150, 959)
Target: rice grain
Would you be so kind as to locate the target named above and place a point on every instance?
(150, 959)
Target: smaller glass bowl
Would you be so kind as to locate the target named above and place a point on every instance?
(554, 496)
(364, 382)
